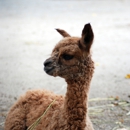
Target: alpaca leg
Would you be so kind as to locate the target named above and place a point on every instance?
(16, 118)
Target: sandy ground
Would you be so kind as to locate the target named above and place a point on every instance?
(27, 36)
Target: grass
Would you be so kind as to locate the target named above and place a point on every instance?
(34, 125)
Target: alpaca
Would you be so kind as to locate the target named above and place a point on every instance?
(71, 60)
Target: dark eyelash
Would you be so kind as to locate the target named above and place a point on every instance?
(67, 56)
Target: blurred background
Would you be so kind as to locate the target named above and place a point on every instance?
(27, 37)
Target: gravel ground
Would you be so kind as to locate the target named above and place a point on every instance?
(26, 29)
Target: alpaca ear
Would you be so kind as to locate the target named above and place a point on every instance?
(87, 37)
(63, 33)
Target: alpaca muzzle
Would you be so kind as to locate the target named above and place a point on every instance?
(48, 66)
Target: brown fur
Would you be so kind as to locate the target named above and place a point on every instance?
(71, 60)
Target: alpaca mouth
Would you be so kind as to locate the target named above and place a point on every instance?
(48, 70)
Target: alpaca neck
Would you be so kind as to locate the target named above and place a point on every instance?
(76, 100)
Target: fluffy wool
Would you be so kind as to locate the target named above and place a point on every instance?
(71, 60)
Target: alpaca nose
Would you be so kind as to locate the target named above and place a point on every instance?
(48, 66)
(48, 62)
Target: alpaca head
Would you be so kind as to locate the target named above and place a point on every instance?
(69, 57)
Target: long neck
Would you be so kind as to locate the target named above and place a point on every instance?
(76, 100)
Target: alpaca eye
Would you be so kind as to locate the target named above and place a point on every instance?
(67, 57)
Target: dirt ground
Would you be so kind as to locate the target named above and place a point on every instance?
(27, 36)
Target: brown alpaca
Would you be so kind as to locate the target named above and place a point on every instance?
(72, 61)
